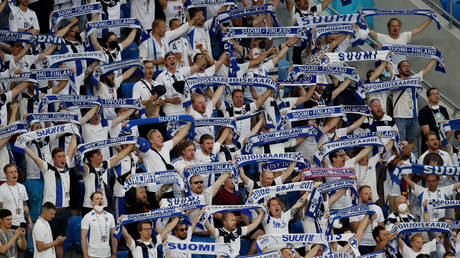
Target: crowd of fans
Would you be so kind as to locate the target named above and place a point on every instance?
(46, 189)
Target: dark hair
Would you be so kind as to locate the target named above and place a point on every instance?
(56, 151)
(90, 154)
(171, 21)
(456, 133)
(205, 137)
(106, 36)
(433, 157)
(235, 91)
(376, 231)
(195, 58)
(5, 213)
(48, 206)
(139, 225)
(91, 197)
(423, 256)
(393, 19)
(5, 168)
(428, 92)
(333, 155)
(372, 100)
(399, 64)
(193, 11)
(183, 145)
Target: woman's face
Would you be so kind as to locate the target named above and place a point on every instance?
(417, 244)
(275, 208)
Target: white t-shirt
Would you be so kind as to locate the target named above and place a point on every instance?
(244, 125)
(127, 165)
(98, 226)
(143, 89)
(406, 106)
(182, 46)
(367, 175)
(403, 39)
(23, 20)
(274, 225)
(199, 131)
(57, 188)
(166, 78)
(93, 133)
(144, 11)
(42, 232)
(13, 198)
(426, 249)
(441, 193)
(154, 163)
(175, 254)
(261, 70)
(367, 239)
(200, 35)
(234, 244)
(174, 9)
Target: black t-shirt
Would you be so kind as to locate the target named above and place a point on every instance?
(426, 116)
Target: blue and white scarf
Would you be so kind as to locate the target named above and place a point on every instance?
(347, 72)
(418, 51)
(374, 87)
(52, 117)
(339, 57)
(106, 24)
(228, 15)
(352, 211)
(20, 77)
(85, 147)
(219, 249)
(205, 3)
(314, 21)
(20, 145)
(265, 32)
(211, 168)
(272, 254)
(260, 193)
(63, 14)
(50, 39)
(180, 119)
(54, 60)
(261, 81)
(11, 36)
(281, 135)
(414, 227)
(151, 215)
(157, 178)
(212, 209)
(452, 125)
(357, 109)
(229, 49)
(299, 240)
(118, 65)
(424, 12)
(185, 203)
(282, 165)
(123, 103)
(443, 204)
(244, 160)
(346, 142)
(229, 122)
(57, 74)
(310, 113)
(328, 172)
(324, 30)
(302, 82)
(420, 169)
(12, 129)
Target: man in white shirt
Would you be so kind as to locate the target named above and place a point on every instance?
(433, 144)
(367, 244)
(23, 19)
(42, 235)
(180, 46)
(396, 37)
(101, 224)
(199, 35)
(144, 11)
(147, 90)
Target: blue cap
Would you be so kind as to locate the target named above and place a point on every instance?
(169, 54)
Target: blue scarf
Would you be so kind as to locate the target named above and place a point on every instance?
(219, 249)
(229, 122)
(158, 178)
(310, 113)
(182, 119)
(57, 74)
(20, 77)
(186, 203)
(55, 60)
(452, 125)
(212, 209)
(299, 240)
(111, 67)
(123, 103)
(106, 24)
(85, 147)
(327, 172)
(357, 109)
(52, 117)
(261, 81)
(314, 21)
(63, 14)
(205, 3)
(244, 160)
(340, 57)
(349, 212)
(211, 168)
(260, 193)
(281, 135)
(420, 169)
(347, 72)
(418, 51)
(234, 68)
(12, 129)
(259, 32)
(282, 165)
(11, 36)
(424, 12)
(443, 204)
(393, 85)
(302, 82)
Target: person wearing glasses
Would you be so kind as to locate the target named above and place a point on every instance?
(146, 246)
(181, 232)
(432, 115)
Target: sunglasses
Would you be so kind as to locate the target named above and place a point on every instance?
(197, 182)
(182, 229)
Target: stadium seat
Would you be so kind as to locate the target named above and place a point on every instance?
(123, 254)
(127, 89)
(455, 8)
(131, 52)
(73, 233)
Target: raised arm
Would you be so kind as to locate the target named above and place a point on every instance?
(66, 29)
(285, 175)
(61, 85)
(129, 240)
(89, 115)
(356, 124)
(325, 4)
(47, 52)
(299, 203)
(261, 100)
(257, 221)
(336, 196)
(181, 134)
(422, 26)
(169, 227)
(22, 53)
(330, 124)
(340, 88)
(128, 40)
(429, 66)
(363, 153)
(19, 88)
(128, 73)
(95, 42)
(216, 95)
(378, 71)
(196, 67)
(125, 115)
(304, 95)
(224, 135)
(216, 186)
(409, 181)
(72, 147)
(243, 177)
(211, 229)
(38, 161)
(336, 42)
(256, 61)
(116, 159)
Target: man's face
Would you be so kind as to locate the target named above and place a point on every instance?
(339, 160)
(417, 244)
(267, 178)
(7, 221)
(404, 69)
(171, 62)
(196, 184)
(49, 215)
(207, 146)
(98, 200)
(228, 183)
(394, 27)
(189, 152)
(59, 159)
(383, 235)
(161, 29)
(96, 157)
(302, 4)
(12, 174)
(230, 222)
(146, 231)
(156, 139)
(366, 195)
(17, 47)
(175, 24)
(141, 195)
(180, 231)
(199, 104)
(433, 182)
(201, 20)
(432, 142)
(238, 99)
(434, 97)
(376, 109)
(275, 208)
(148, 73)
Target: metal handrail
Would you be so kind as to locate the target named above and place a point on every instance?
(426, 85)
(452, 19)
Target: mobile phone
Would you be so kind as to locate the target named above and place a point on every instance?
(23, 225)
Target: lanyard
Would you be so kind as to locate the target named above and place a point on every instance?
(18, 205)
